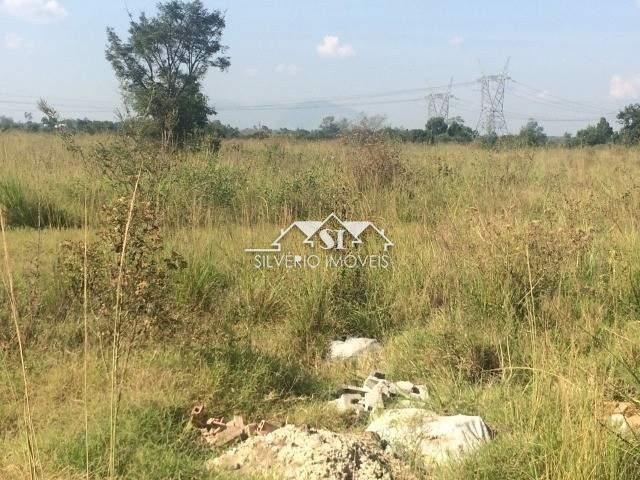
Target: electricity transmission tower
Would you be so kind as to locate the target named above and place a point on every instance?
(438, 103)
(492, 119)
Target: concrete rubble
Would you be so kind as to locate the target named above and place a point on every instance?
(622, 417)
(294, 452)
(218, 433)
(376, 392)
(352, 347)
(430, 438)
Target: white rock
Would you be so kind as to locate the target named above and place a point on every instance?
(436, 439)
(412, 391)
(374, 398)
(351, 347)
(348, 401)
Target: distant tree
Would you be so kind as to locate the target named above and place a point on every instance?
(629, 118)
(595, 135)
(416, 135)
(164, 60)
(218, 130)
(604, 129)
(331, 128)
(459, 132)
(369, 123)
(48, 122)
(532, 134)
(435, 127)
(6, 123)
(302, 133)
(257, 131)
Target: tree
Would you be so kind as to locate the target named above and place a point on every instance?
(372, 123)
(532, 134)
(435, 126)
(163, 62)
(459, 132)
(629, 118)
(331, 128)
(595, 135)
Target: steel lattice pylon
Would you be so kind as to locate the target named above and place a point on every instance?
(438, 103)
(492, 121)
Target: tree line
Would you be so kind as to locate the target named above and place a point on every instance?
(436, 130)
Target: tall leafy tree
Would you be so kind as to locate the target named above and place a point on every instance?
(629, 118)
(163, 61)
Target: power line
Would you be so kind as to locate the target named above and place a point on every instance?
(64, 99)
(549, 103)
(256, 108)
(388, 93)
(18, 102)
(560, 99)
(491, 119)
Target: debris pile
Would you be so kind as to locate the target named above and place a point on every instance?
(397, 430)
(294, 452)
(216, 432)
(352, 347)
(375, 392)
(432, 439)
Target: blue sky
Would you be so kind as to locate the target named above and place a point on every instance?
(571, 60)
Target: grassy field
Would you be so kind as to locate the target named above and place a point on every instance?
(514, 294)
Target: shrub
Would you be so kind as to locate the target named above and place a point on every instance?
(375, 158)
(146, 297)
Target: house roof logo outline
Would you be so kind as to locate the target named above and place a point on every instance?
(310, 227)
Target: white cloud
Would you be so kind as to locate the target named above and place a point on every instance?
(289, 69)
(457, 40)
(331, 47)
(624, 87)
(13, 41)
(251, 71)
(34, 11)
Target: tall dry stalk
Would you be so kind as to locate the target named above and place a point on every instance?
(86, 340)
(114, 396)
(35, 467)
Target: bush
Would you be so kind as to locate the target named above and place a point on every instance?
(146, 294)
(375, 158)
